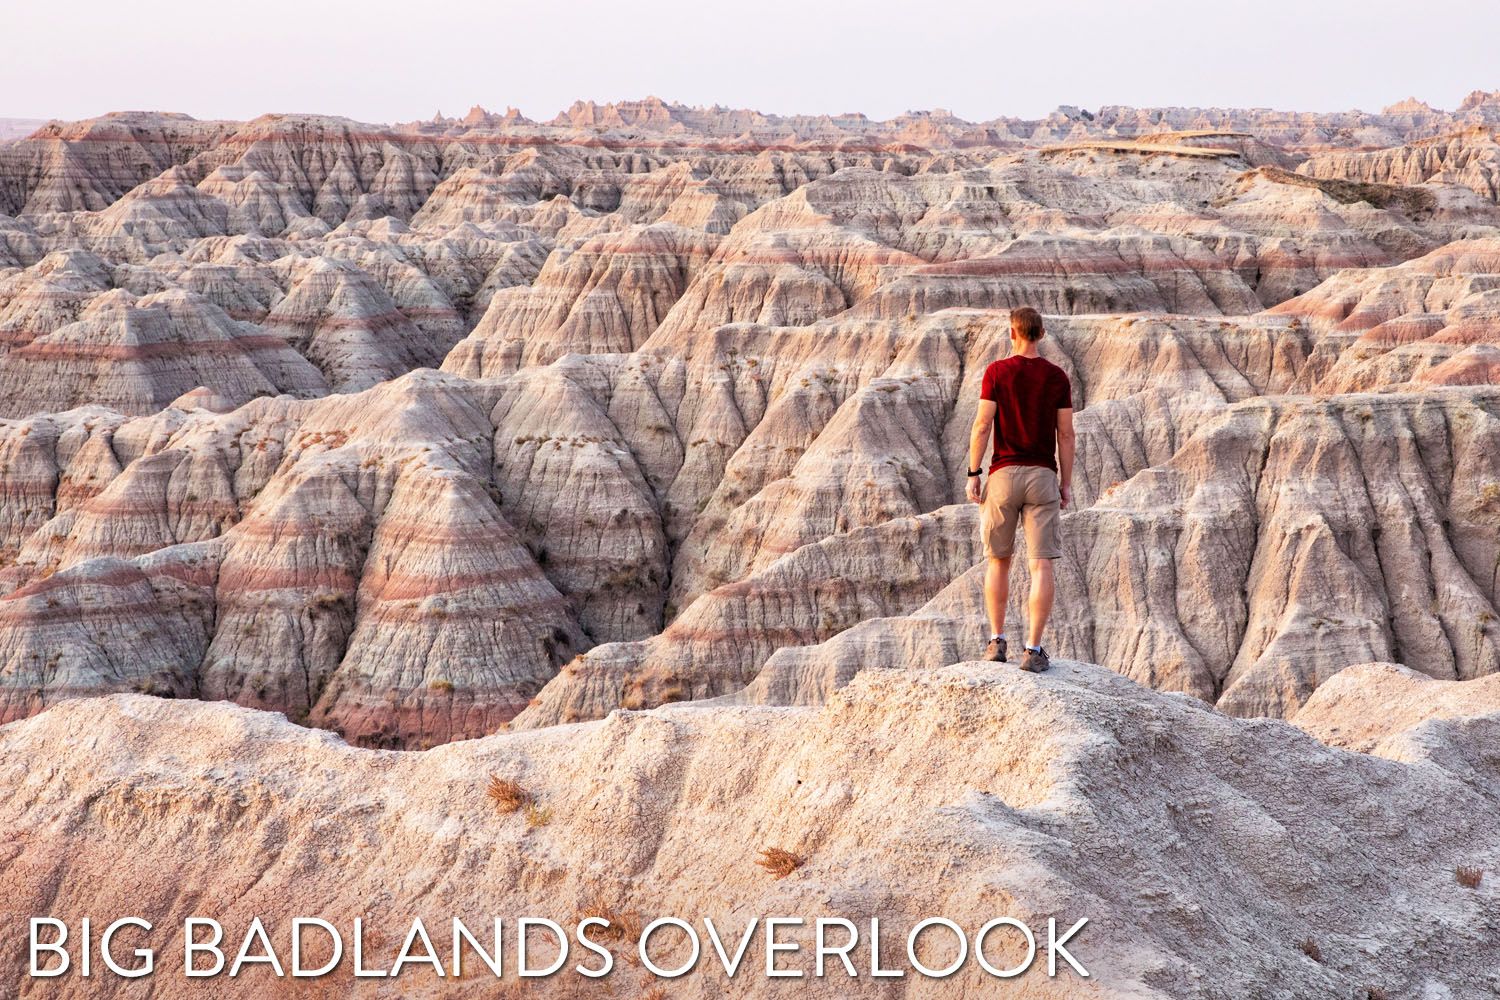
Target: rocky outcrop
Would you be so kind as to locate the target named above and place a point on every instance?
(286, 554)
(971, 792)
(707, 368)
(1372, 707)
(347, 326)
(1429, 322)
(718, 644)
(1236, 572)
(629, 494)
(623, 455)
(605, 297)
(137, 355)
(1470, 159)
(88, 165)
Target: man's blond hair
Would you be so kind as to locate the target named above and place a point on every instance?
(1026, 322)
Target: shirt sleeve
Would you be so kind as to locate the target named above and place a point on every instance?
(989, 386)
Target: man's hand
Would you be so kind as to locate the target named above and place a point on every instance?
(1067, 495)
(972, 490)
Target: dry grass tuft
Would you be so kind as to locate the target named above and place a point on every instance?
(1310, 949)
(622, 926)
(1468, 876)
(634, 698)
(537, 815)
(778, 862)
(506, 794)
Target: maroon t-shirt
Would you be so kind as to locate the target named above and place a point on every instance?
(1027, 393)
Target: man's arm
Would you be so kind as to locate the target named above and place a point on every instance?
(1065, 442)
(979, 440)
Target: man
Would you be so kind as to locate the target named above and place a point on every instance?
(1027, 403)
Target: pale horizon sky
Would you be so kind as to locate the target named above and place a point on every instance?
(373, 61)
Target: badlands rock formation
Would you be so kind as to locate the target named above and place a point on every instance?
(413, 431)
(321, 440)
(1212, 856)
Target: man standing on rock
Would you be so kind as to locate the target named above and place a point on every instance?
(1027, 402)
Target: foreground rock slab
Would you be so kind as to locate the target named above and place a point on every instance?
(1213, 856)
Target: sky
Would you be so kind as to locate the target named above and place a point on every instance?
(380, 61)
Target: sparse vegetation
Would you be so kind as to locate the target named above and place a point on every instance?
(779, 862)
(634, 698)
(440, 685)
(622, 926)
(1469, 877)
(148, 686)
(507, 795)
(1376, 993)
(1413, 202)
(537, 815)
(1310, 949)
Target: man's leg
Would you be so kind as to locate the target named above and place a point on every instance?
(1042, 546)
(997, 592)
(998, 523)
(1040, 605)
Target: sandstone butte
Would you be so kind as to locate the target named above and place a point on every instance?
(499, 437)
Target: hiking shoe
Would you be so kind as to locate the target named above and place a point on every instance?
(1035, 661)
(995, 651)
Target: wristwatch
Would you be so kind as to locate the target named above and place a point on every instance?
(973, 473)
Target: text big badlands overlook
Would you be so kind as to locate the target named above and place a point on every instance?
(839, 943)
(484, 517)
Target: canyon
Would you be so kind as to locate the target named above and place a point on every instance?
(623, 452)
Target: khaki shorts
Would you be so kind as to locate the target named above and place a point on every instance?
(1018, 491)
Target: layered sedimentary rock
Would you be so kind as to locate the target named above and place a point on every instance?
(593, 512)
(709, 381)
(969, 792)
(344, 561)
(605, 297)
(137, 355)
(1470, 158)
(1429, 322)
(346, 324)
(88, 165)
(696, 434)
(1236, 571)
(719, 643)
